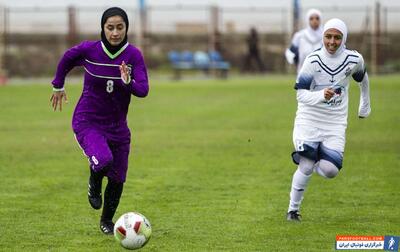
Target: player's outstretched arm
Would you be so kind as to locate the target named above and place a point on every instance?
(71, 58)
(138, 88)
(365, 105)
(292, 53)
(303, 84)
(360, 75)
(314, 98)
(140, 82)
(57, 99)
(290, 56)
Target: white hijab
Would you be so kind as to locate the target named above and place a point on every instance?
(314, 36)
(339, 25)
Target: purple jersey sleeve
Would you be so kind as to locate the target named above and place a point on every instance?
(72, 57)
(140, 82)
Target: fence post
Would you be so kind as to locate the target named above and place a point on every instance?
(286, 37)
(214, 33)
(3, 31)
(375, 47)
(72, 36)
(296, 16)
(142, 33)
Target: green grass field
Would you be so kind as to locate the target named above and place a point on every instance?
(210, 168)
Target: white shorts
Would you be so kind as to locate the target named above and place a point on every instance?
(316, 143)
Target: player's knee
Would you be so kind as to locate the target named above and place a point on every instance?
(331, 173)
(306, 165)
(117, 174)
(106, 160)
(329, 169)
(115, 180)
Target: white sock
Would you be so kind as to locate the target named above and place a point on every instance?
(299, 184)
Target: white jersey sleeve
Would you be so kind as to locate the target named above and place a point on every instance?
(310, 98)
(296, 39)
(292, 53)
(360, 75)
(304, 81)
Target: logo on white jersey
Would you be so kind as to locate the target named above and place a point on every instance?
(337, 99)
(348, 71)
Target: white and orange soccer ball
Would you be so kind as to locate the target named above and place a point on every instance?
(132, 230)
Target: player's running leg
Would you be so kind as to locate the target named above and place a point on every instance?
(112, 195)
(94, 188)
(116, 178)
(300, 180)
(95, 147)
(305, 157)
(331, 155)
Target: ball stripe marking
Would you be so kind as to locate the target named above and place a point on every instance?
(122, 231)
(137, 226)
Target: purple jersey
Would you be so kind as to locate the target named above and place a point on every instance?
(105, 98)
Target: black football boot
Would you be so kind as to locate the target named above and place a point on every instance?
(293, 216)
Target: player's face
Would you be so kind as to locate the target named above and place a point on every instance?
(315, 21)
(115, 30)
(332, 40)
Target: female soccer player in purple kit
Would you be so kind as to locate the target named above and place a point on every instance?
(114, 70)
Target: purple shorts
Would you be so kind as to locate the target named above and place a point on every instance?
(104, 152)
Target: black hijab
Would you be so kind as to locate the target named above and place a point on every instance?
(114, 11)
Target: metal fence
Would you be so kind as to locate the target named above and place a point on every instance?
(27, 31)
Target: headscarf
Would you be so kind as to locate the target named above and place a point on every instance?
(339, 25)
(314, 36)
(114, 11)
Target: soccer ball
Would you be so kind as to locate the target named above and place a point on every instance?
(132, 230)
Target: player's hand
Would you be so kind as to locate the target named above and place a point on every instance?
(124, 73)
(57, 99)
(328, 93)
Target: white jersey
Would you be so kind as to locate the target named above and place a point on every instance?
(303, 43)
(321, 70)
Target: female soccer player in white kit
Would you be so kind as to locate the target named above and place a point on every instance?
(321, 119)
(306, 40)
